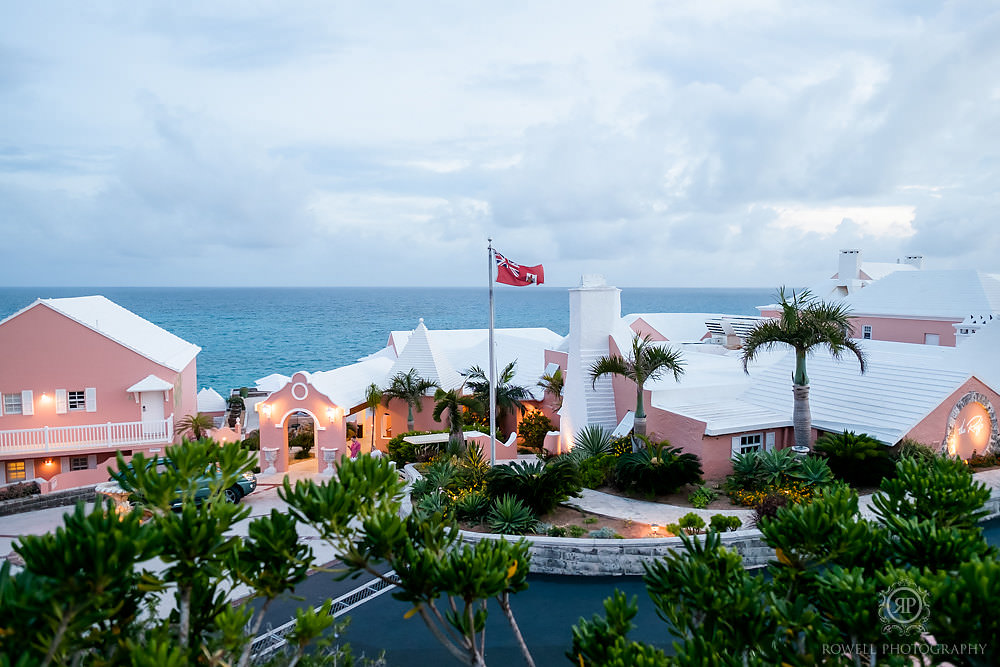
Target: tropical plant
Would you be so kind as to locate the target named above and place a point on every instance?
(473, 469)
(510, 397)
(455, 404)
(644, 362)
(592, 440)
(434, 503)
(510, 516)
(855, 458)
(472, 506)
(553, 383)
(604, 533)
(410, 388)
(533, 429)
(722, 523)
(403, 452)
(541, 486)
(597, 471)
(373, 399)
(775, 465)
(767, 507)
(657, 469)
(804, 325)
(197, 425)
(813, 470)
(304, 439)
(691, 523)
(702, 497)
(907, 447)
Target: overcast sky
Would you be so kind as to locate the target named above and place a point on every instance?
(662, 144)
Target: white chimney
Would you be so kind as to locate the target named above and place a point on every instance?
(849, 267)
(916, 261)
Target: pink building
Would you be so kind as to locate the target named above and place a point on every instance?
(82, 378)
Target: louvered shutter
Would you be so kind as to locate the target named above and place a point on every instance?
(90, 395)
(736, 446)
(62, 404)
(27, 402)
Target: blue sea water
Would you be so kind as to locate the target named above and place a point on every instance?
(247, 333)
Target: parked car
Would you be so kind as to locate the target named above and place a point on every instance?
(245, 485)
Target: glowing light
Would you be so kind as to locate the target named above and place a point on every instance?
(265, 409)
(48, 462)
(45, 398)
(655, 529)
(335, 413)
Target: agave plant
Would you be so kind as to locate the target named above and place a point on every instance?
(433, 503)
(510, 516)
(592, 440)
(441, 474)
(746, 471)
(541, 486)
(472, 506)
(774, 465)
(814, 471)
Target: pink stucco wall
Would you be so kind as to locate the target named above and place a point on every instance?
(643, 328)
(330, 432)
(931, 429)
(904, 330)
(45, 351)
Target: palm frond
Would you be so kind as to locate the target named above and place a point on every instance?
(611, 365)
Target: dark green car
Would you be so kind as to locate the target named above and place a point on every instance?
(246, 483)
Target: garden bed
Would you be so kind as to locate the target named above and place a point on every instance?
(678, 499)
(586, 521)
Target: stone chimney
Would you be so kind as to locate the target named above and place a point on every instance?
(916, 261)
(850, 266)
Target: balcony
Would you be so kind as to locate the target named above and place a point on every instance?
(111, 435)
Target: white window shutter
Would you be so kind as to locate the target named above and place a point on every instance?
(62, 404)
(769, 441)
(1, 411)
(27, 402)
(90, 394)
(736, 446)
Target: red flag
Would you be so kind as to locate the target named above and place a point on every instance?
(510, 273)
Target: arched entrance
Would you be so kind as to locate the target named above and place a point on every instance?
(299, 396)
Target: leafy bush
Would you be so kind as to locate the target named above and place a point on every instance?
(658, 469)
(472, 506)
(302, 454)
(860, 460)
(910, 448)
(592, 441)
(767, 507)
(510, 516)
(983, 460)
(597, 471)
(556, 531)
(304, 439)
(721, 523)
(19, 490)
(472, 470)
(533, 429)
(541, 486)
(691, 523)
(701, 497)
(604, 533)
(433, 503)
(252, 441)
(760, 474)
(577, 531)
(673, 529)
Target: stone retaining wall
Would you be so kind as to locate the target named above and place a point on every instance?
(45, 501)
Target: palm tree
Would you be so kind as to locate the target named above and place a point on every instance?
(644, 362)
(410, 388)
(197, 425)
(553, 384)
(455, 404)
(804, 324)
(510, 397)
(373, 397)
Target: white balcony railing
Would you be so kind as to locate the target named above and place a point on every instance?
(111, 435)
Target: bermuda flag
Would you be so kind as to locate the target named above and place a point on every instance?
(510, 273)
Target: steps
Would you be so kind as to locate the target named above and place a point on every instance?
(600, 398)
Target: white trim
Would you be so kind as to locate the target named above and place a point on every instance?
(90, 397)
(27, 402)
(62, 402)
(769, 441)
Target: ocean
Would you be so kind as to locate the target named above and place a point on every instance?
(247, 333)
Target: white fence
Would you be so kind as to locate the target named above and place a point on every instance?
(113, 435)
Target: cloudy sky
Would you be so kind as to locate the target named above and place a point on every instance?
(662, 144)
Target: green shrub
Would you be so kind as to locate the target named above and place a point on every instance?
(659, 469)
(302, 454)
(403, 452)
(597, 471)
(252, 441)
(673, 529)
(541, 486)
(721, 523)
(604, 533)
(767, 508)
(510, 516)
(621, 445)
(773, 466)
(19, 490)
(533, 429)
(556, 531)
(702, 497)
(590, 520)
(691, 523)
(433, 503)
(592, 441)
(473, 469)
(860, 460)
(813, 470)
(910, 448)
(472, 506)
(982, 460)
(304, 439)
(577, 531)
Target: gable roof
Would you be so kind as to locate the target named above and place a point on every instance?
(124, 327)
(210, 400)
(952, 294)
(428, 360)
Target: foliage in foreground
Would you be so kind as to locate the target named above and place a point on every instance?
(825, 586)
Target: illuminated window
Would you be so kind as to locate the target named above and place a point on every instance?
(79, 463)
(77, 400)
(866, 332)
(12, 404)
(386, 425)
(15, 471)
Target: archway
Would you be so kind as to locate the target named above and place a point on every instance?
(298, 395)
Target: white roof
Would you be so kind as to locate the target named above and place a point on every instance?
(952, 294)
(676, 327)
(903, 384)
(978, 355)
(124, 327)
(879, 270)
(346, 386)
(428, 360)
(151, 383)
(210, 400)
(272, 382)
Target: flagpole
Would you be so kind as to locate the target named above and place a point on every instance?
(493, 385)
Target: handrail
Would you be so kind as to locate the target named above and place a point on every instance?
(113, 435)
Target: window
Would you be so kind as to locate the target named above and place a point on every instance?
(15, 471)
(752, 442)
(79, 463)
(77, 400)
(386, 425)
(12, 404)
(932, 339)
(866, 332)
